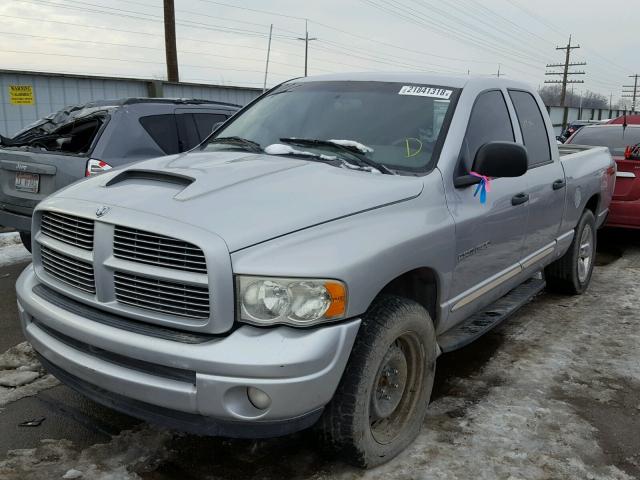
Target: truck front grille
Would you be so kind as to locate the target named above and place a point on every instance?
(153, 249)
(69, 229)
(172, 298)
(68, 270)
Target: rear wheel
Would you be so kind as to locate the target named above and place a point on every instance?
(572, 273)
(382, 399)
(25, 237)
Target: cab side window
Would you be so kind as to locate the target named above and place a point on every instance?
(489, 122)
(534, 131)
(163, 130)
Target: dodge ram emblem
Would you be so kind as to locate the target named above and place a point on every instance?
(102, 211)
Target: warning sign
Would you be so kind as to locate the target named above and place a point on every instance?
(21, 95)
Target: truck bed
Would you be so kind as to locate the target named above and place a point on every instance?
(570, 149)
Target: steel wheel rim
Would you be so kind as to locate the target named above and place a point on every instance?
(585, 253)
(388, 417)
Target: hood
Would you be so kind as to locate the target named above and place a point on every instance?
(244, 198)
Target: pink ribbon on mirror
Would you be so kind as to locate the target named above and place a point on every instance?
(483, 187)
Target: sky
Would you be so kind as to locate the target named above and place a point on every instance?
(225, 42)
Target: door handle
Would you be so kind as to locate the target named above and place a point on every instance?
(519, 199)
(560, 183)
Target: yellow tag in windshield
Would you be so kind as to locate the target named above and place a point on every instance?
(414, 146)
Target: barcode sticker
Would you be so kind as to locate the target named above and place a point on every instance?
(431, 92)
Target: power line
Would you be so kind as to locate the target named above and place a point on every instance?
(430, 25)
(93, 57)
(128, 45)
(559, 31)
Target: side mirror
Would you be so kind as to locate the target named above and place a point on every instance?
(496, 159)
(501, 159)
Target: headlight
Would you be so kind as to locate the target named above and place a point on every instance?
(291, 301)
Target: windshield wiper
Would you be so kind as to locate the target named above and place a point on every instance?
(249, 145)
(354, 151)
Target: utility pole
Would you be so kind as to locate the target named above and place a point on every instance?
(565, 70)
(565, 75)
(266, 68)
(170, 41)
(633, 93)
(498, 74)
(306, 46)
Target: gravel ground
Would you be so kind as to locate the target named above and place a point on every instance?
(552, 393)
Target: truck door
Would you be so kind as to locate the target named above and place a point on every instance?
(546, 180)
(489, 236)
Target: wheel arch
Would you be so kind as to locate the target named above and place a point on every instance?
(421, 285)
(593, 204)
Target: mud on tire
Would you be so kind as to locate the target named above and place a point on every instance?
(380, 404)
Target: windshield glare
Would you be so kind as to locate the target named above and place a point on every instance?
(400, 123)
(615, 138)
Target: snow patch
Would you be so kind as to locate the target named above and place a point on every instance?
(16, 378)
(11, 249)
(21, 374)
(281, 149)
(353, 144)
(72, 474)
(10, 238)
(126, 455)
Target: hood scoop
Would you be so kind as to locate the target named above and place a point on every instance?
(155, 176)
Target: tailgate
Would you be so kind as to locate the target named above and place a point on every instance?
(28, 177)
(627, 180)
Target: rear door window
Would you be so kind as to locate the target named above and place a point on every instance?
(206, 121)
(163, 130)
(187, 131)
(489, 122)
(534, 131)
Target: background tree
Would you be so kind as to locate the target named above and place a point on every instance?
(551, 96)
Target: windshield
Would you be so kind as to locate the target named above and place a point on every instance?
(400, 123)
(615, 138)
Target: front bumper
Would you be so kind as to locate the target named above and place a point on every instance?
(197, 386)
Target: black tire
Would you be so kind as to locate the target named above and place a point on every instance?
(353, 424)
(25, 237)
(564, 275)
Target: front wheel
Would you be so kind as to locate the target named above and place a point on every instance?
(382, 399)
(571, 273)
(25, 237)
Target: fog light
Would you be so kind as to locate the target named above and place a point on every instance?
(258, 398)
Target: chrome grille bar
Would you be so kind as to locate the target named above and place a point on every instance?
(162, 296)
(154, 249)
(68, 270)
(69, 229)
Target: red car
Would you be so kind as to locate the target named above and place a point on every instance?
(624, 145)
(631, 120)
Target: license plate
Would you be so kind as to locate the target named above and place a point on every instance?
(27, 182)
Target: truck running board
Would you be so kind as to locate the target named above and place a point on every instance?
(481, 322)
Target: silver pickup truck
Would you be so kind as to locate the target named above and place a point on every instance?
(307, 264)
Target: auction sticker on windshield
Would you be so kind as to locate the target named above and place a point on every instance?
(431, 92)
